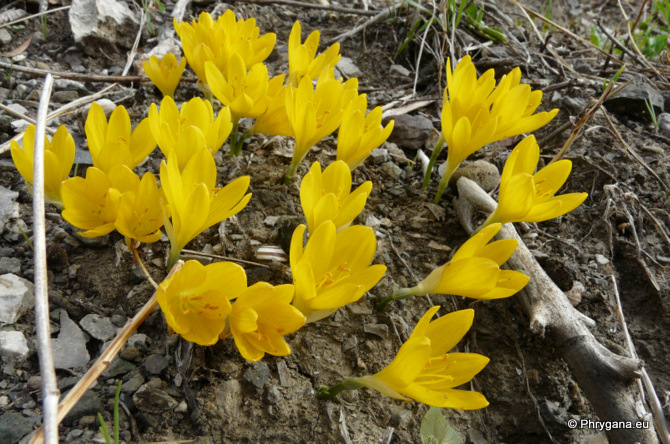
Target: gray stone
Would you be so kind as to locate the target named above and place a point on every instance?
(9, 209)
(16, 297)
(139, 340)
(13, 347)
(155, 364)
(410, 131)
(118, 320)
(14, 426)
(228, 397)
(258, 374)
(485, 174)
(133, 384)
(149, 398)
(632, 102)
(10, 265)
(118, 367)
(100, 327)
(105, 23)
(379, 330)
(65, 96)
(400, 70)
(396, 154)
(69, 348)
(391, 170)
(379, 156)
(5, 37)
(348, 68)
(130, 353)
(664, 124)
(89, 404)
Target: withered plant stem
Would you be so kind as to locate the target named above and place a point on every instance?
(141, 264)
(104, 360)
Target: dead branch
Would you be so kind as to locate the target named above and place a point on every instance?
(605, 377)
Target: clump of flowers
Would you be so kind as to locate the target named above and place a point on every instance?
(302, 58)
(423, 370)
(528, 196)
(58, 160)
(165, 72)
(474, 114)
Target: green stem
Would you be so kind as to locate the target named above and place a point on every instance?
(236, 142)
(292, 169)
(403, 293)
(444, 182)
(328, 393)
(489, 220)
(437, 149)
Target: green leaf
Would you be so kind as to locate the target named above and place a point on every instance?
(436, 430)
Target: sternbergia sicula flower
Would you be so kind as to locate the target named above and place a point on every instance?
(216, 41)
(58, 159)
(474, 271)
(92, 203)
(187, 129)
(274, 121)
(302, 59)
(165, 72)
(112, 143)
(334, 268)
(196, 299)
(314, 113)
(423, 370)
(260, 318)
(245, 93)
(139, 214)
(359, 134)
(328, 196)
(475, 114)
(526, 196)
(194, 201)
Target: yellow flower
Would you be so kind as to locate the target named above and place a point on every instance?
(359, 134)
(301, 56)
(165, 72)
(206, 40)
(474, 271)
(316, 113)
(187, 129)
(139, 214)
(474, 114)
(194, 201)
(328, 196)
(274, 121)
(528, 197)
(195, 302)
(423, 370)
(58, 159)
(334, 269)
(260, 318)
(113, 143)
(92, 204)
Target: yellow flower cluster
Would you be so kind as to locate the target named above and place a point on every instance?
(334, 267)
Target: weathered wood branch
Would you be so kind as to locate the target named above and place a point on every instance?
(606, 378)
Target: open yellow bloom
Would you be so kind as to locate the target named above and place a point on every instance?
(474, 271)
(359, 134)
(139, 214)
(302, 60)
(92, 204)
(314, 113)
(528, 197)
(475, 114)
(423, 371)
(195, 302)
(112, 143)
(194, 201)
(165, 72)
(58, 159)
(327, 196)
(187, 129)
(334, 268)
(260, 318)
(216, 41)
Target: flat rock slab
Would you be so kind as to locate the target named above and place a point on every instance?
(102, 23)
(17, 296)
(69, 348)
(13, 347)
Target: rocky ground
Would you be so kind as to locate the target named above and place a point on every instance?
(174, 392)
